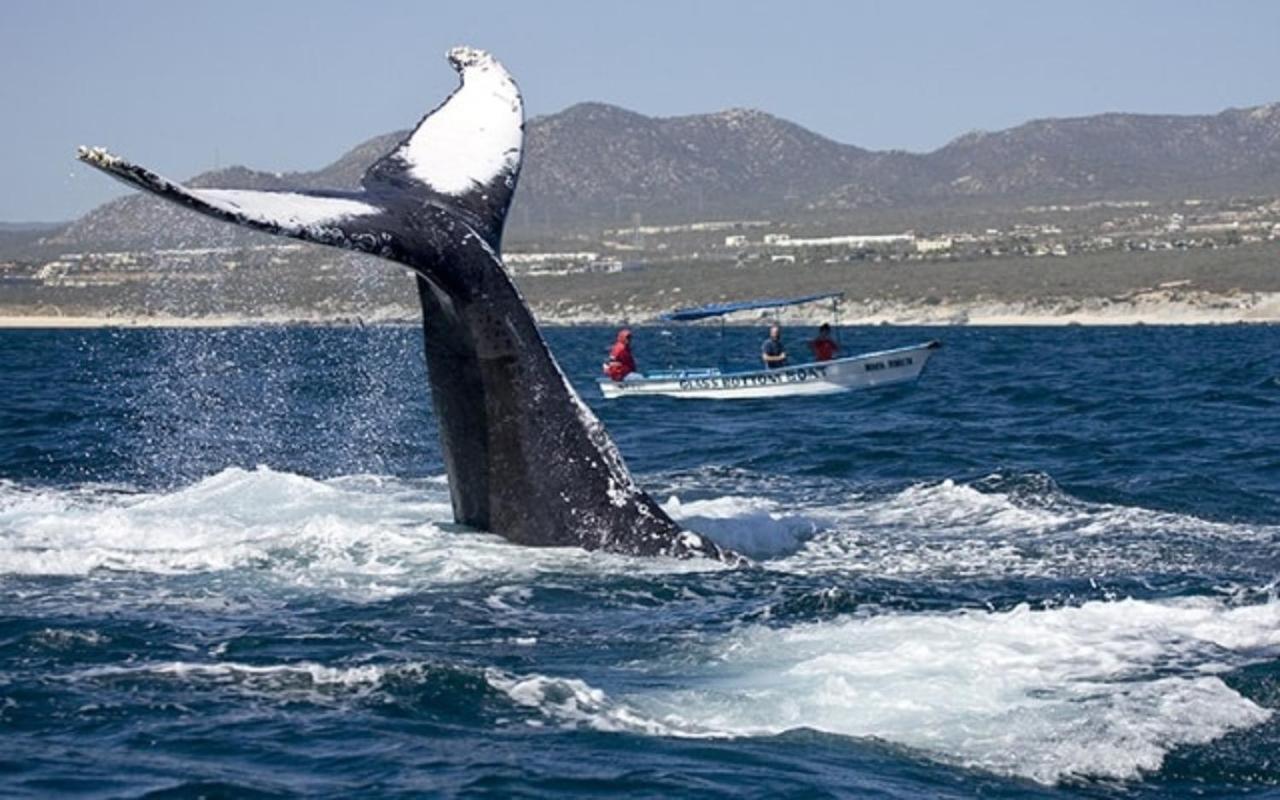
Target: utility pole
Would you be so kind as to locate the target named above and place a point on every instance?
(637, 239)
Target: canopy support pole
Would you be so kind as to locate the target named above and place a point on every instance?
(720, 362)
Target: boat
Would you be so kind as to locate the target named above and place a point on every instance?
(862, 371)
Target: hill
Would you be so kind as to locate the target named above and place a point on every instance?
(595, 164)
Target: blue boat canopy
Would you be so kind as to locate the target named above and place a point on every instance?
(720, 309)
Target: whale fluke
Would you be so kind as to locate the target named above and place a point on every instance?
(526, 458)
(466, 153)
(310, 216)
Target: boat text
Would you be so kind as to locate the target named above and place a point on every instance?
(872, 366)
(799, 375)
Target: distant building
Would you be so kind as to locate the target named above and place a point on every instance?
(735, 241)
(854, 240)
(938, 245)
(557, 263)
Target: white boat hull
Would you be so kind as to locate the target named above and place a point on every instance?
(825, 377)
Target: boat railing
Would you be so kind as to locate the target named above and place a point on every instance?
(683, 374)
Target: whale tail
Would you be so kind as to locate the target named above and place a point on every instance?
(463, 157)
(526, 458)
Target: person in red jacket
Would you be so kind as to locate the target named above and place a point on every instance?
(621, 363)
(823, 346)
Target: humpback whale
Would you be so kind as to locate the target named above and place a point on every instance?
(526, 458)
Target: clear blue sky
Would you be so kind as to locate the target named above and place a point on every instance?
(286, 85)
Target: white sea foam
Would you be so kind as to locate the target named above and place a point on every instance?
(235, 519)
(572, 702)
(382, 535)
(366, 536)
(64, 639)
(302, 681)
(1104, 690)
(955, 530)
(307, 672)
(753, 526)
(1101, 690)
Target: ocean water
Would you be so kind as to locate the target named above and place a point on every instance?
(1047, 569)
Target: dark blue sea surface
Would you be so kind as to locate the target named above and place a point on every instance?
(1047, 569)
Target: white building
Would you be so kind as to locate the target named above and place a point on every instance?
(938, 245)
(852, 241)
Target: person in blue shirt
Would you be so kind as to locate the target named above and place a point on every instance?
(772, 351)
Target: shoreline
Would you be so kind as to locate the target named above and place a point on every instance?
(1146, 308)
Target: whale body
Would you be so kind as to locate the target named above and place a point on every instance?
(526, 458)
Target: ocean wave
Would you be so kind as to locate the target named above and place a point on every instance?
(367, 536)
(570, 702)
(1026, 527)
(236, 519)
(381, 536)
(1104, 690)
(300, 674)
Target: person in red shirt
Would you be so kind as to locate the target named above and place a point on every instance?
(823, 346)
(621, 363)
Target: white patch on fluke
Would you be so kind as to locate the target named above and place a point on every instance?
(286, 209)
(476, 135)
(293, 213)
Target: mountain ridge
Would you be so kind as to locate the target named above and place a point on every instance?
(595, 164)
